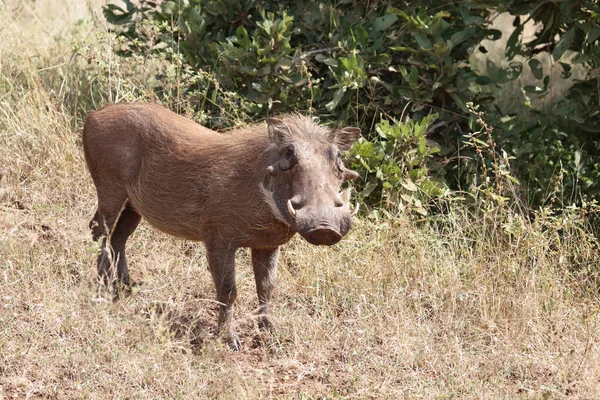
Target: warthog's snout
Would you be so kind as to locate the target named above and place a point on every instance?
(321, 225)
(323, 235)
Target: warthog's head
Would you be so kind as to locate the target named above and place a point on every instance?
(305, 176)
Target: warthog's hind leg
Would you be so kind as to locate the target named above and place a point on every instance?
(114, 226)
(126, 225)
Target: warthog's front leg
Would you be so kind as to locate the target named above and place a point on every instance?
(221, 263)
(264, 262)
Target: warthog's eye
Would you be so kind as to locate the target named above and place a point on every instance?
(339, 162)
(289, 158)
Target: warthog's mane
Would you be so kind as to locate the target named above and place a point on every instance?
(303, 128)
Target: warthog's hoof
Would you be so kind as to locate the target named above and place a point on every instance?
(228, 336)
(265, 325)
(235, 344)
(128, 289)
(232, 341)
(119, 289)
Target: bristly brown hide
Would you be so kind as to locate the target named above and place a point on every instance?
(254, 187)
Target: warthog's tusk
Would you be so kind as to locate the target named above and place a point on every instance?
(291, 208)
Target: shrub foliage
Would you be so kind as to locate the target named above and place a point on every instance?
(401, 71)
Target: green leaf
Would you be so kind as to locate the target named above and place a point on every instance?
(469, 18)
(440, 48)
(332, 62)
(384, 22)
(563, 44)
(566, 74)
(545, 83)
(433, 188)
(440, 15)
(394, 10)
(242, 36)
(362, 36)
(593, 34)
(115, 15)
(532, 89)
(256, 86)
(493, 34)
(460, 102)
(266, 70)
(130, 6)
(483, 80)
(337, 97)
(423, 40)
(493, 70)
(382, 128)
(513, 46)
(413, 78)
(537, 69)
(422, 145)
(169, 7)
(457, 38)
(369, 187)
(402, 48)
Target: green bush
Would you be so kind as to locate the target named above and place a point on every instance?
(395, 164)
(557, 146)
(391, 68)
(349, 62)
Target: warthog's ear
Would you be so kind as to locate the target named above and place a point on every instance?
(278, 130)
(344, 138)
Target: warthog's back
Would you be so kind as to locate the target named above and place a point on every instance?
(178, 175)
(118, 137)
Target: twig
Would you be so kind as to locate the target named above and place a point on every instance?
(438, 125)
(311, 53)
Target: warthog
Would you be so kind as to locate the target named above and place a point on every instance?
(255, 187)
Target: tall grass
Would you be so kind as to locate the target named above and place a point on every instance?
(481, 302)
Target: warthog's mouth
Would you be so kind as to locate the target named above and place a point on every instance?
(322, 236)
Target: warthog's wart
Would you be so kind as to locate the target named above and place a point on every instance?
(255, 187)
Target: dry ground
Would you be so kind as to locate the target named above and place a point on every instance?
(480, 306)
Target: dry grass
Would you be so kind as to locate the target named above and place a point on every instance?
(479, 306)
